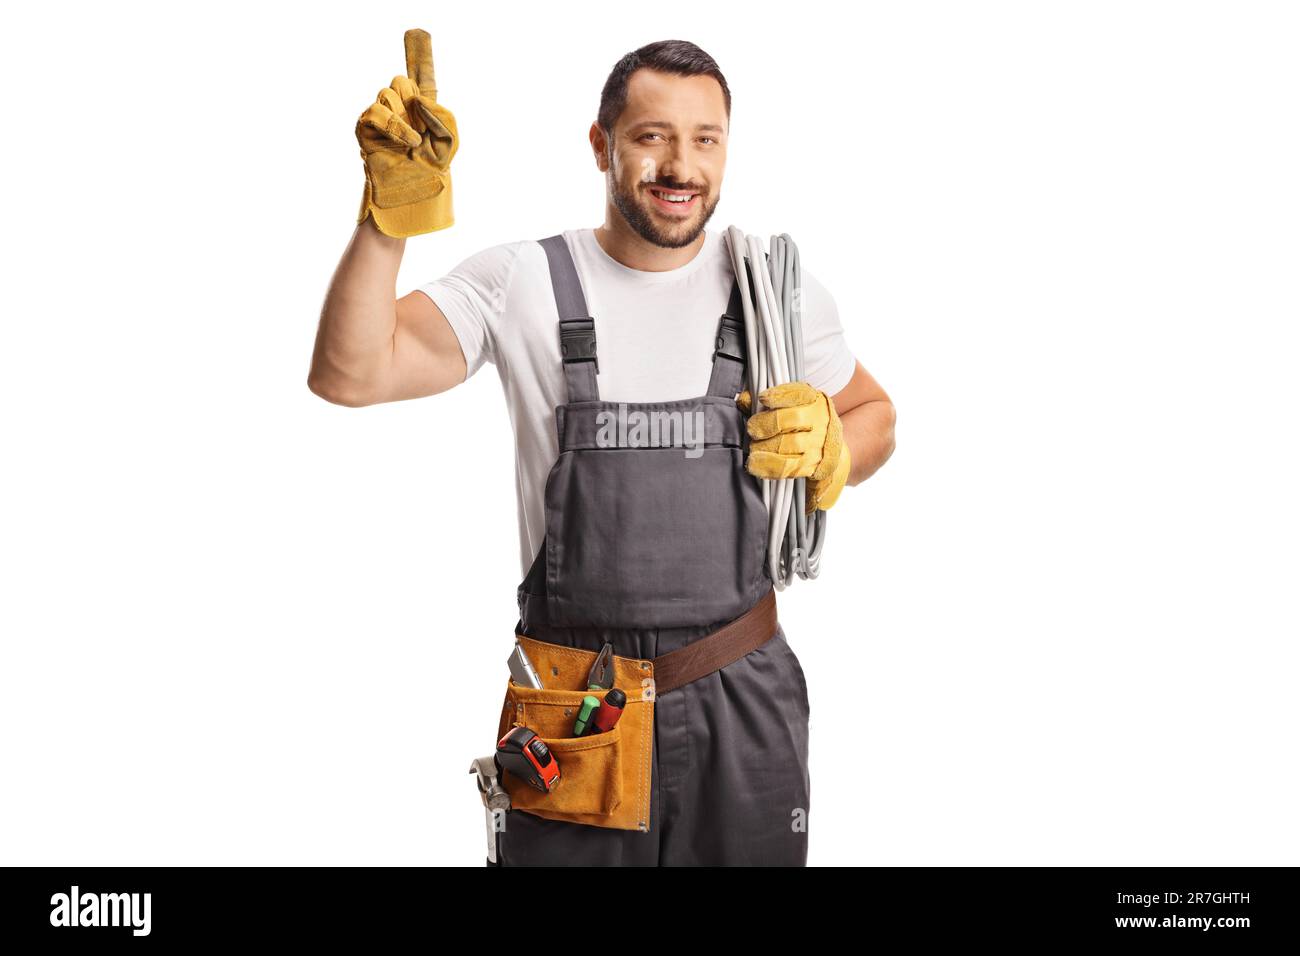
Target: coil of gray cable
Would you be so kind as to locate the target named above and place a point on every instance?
(769, 294)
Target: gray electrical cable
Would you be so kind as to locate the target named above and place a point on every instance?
(770, 299)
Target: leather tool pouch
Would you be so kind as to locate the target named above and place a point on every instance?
(604, 778)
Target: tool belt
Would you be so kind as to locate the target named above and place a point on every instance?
(605, 777)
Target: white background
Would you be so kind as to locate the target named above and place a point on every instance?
(241, 625)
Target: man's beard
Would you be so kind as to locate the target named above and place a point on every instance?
(639, 218)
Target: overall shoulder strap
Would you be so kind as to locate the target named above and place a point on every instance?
(577, 328)
(728, 376)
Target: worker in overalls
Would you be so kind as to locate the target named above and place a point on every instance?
(651, 541)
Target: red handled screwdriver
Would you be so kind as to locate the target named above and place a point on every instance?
(611, 709)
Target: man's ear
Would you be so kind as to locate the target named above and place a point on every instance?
(599, 146)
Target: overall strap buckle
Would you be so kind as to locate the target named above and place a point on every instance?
(578, 340)
(729, 357)
(731, 338)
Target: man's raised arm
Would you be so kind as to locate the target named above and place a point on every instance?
(371, 346)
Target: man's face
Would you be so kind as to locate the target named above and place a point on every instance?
(669, 150)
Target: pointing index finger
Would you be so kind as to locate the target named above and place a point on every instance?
(419, 61)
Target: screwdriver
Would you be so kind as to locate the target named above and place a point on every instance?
(589, 705)
(611, 709)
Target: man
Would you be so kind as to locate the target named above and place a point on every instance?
(652, 550)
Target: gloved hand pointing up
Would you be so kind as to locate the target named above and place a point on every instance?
(407, 141)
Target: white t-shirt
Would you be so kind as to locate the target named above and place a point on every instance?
(654, 340)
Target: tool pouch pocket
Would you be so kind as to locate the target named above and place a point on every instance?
(604, 778)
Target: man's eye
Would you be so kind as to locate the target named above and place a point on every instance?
(648, 135)
(707, 139)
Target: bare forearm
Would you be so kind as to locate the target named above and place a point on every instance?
(869, 434)
(354, 343)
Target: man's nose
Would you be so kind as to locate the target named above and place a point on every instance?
(676, 165)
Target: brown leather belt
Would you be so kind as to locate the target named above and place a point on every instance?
(715, 651)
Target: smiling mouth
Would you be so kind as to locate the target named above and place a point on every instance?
(675, 202)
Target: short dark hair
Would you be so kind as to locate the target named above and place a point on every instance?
(679, 57)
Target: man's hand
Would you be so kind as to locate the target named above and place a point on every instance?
(407, 142)
(797, 434)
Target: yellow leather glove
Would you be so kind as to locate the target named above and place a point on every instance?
(407, 142)
(797, 434)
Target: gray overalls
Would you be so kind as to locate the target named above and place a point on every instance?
(650, 548)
